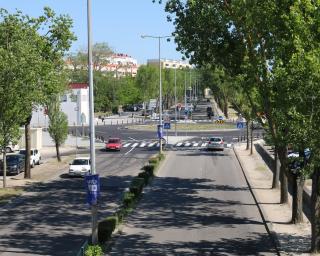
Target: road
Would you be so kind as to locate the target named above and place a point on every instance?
(52, 218)
(199, 205)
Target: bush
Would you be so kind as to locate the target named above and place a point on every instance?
(161, 157)
(153, 160)
(136, 186)
(128, 199)
(145, 176)
(121, 213)
(150, 168)
(93, 250)
(106, 227)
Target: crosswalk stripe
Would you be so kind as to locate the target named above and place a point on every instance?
(179, 144)
(195, 144)
(126, 145)
(204, 144)
(152, 144)
(143, 144)
(187, 144)
(134, 145)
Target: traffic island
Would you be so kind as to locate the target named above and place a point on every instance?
(130, 198)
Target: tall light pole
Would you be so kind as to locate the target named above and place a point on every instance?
(94, 207)
(175, 101)
(160, 85)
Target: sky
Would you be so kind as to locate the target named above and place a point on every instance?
(120, 23)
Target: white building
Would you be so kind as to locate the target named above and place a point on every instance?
(75, 104)
(169, 63)
(121, 65)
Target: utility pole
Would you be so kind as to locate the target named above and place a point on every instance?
(94, 207)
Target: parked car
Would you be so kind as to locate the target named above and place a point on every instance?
(215, 143)
(80, 166)
(15, 164)
(114, 144)
(35, 156)
(12, 148)
(294, 162)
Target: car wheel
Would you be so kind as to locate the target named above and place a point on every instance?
(33, 164)
(8, 150)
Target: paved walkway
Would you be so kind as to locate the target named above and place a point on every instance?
(292, 239)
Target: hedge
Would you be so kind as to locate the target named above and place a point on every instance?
(145, 175)
(93, 250)
(150, 169)
(128, 199)
(106, 227)
(136, 186)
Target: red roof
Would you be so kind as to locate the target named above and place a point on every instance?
(78, 85)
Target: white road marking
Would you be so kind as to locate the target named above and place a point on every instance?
(126, 145)
(195, 144)
(179, 144)
(134, 145)
(204, 144)
(143, 144)
(152, 144)
(187, 144)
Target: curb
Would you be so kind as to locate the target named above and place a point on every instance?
(267, 225)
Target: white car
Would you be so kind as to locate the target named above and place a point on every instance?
(35, 156)
(12, 147)
(80, 166)
(215, 143)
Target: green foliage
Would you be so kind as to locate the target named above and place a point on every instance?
(93, 250)
(106, 227)
(128, 199)
(58, 126)
(150, 169)
(146, 176)
(136, 186)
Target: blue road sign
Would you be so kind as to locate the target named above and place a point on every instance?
(160, 131)
(93, 188)
(220, 117)
(166, 125)
(240, 125)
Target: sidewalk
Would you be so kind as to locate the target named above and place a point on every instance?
(291, 239)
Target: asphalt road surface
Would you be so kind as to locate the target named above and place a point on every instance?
(53, 219)
(199, 205)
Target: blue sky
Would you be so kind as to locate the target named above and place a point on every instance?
(120, 23)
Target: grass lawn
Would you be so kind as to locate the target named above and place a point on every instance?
(187, 127)
(7, 193)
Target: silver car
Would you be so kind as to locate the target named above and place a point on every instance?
(215, 143)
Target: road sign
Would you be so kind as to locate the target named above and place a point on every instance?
(166, 125)
(240, 125)
(160, 131)
(93, 188)
(220, 117)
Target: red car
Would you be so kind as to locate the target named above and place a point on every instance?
(114, 144)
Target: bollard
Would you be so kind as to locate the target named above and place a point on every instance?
(127, 121)
(111, 122)
(117, 121)
(121, 121)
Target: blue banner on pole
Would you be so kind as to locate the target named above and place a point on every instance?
(240, 125)
(93, 188)
(160, 131)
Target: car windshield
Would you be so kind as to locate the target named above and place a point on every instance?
(215, 139)
(11, 159)
(113, 141)
(80, 162)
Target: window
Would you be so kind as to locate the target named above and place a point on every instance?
(64, 98)
(73, 98)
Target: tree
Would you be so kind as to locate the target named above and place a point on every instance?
(58, 126)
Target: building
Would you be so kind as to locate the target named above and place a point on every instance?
(74, 103)
(169, 63)
(119, 64)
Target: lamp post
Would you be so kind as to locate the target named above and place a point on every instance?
(175, 101)
(94, 207)
(160, 85)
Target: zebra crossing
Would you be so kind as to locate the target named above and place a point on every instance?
(153, 143)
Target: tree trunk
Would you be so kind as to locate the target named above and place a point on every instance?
(297, 198)
(4, 166)
(58, 152)
(251, 146)
(248, 143)
(276, 171)
(225, 108)
(315, 211)
(27, 171)
(283, 175)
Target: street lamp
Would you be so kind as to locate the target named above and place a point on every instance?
(94, 207)
(160, 86)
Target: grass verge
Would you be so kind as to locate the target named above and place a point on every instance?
(6, 194)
